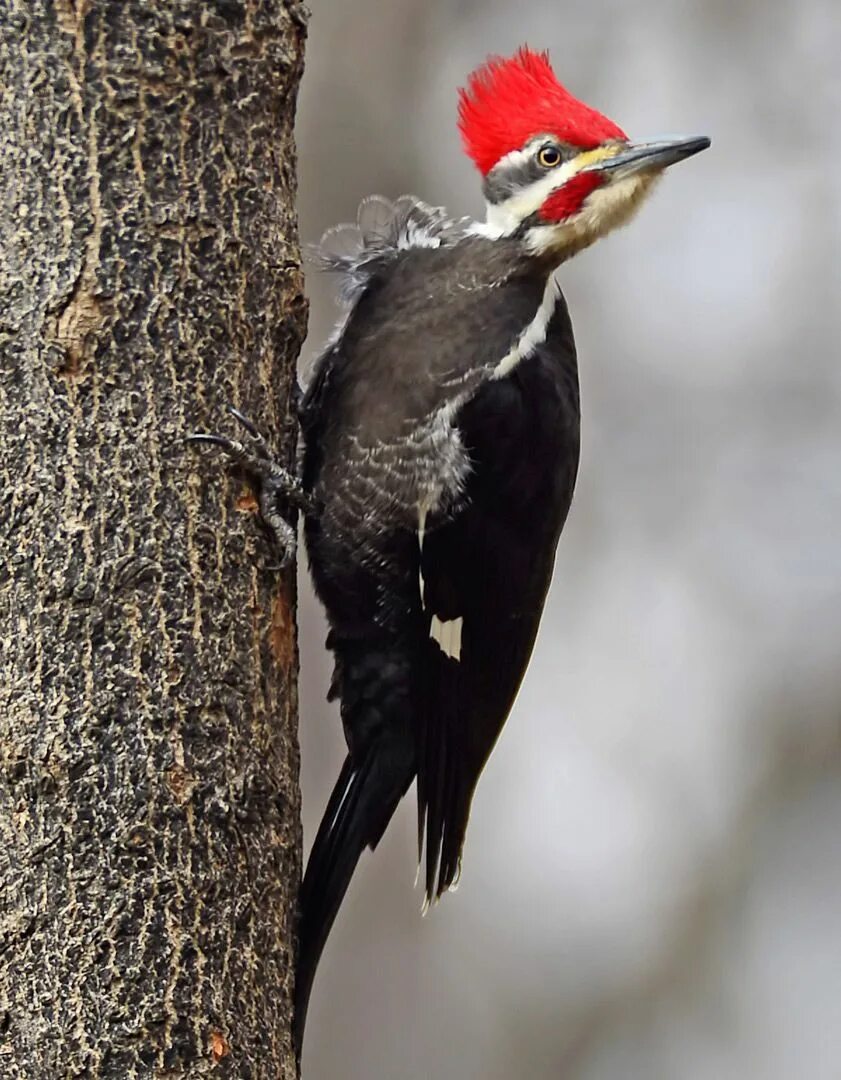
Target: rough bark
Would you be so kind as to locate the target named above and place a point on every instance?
(149, 273)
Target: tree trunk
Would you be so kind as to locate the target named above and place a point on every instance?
(149, 273)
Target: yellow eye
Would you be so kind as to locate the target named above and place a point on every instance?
(549, 156)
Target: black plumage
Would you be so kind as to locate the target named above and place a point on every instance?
(441, 439)
(442, 490)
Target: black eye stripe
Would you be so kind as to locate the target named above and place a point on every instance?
(507, 178)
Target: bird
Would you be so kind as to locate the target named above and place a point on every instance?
(440, 431)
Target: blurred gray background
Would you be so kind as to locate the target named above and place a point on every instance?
(652, 880)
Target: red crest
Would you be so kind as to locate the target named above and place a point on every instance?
(507, 101)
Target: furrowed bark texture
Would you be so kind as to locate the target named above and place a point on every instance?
(149, 273)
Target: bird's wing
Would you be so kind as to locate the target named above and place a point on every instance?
(485, 573)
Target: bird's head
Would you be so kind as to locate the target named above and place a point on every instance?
(556, 172)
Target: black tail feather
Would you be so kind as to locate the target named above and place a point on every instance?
(363, 800)
(338, 844)
(443, 795)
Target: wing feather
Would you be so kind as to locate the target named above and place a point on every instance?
(486, 571)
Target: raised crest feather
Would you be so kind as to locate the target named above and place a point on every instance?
(509, 100)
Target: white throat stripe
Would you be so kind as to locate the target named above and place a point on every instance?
(535, 333)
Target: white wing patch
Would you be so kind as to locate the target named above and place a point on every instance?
(534, 334)
(447, 633)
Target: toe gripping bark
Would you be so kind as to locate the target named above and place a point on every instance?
(277, 488)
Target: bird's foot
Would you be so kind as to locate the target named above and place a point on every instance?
(274, 484)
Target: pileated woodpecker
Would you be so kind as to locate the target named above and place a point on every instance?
(441, 437)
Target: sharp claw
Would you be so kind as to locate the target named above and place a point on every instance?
(246, 423)
(212, 440)
(273, 481)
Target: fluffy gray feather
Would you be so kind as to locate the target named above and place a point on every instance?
(383, 229)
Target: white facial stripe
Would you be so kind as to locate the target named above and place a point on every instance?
(525, 154)
(535, 333)
(447, 633)
(515, 157)
(505, 218)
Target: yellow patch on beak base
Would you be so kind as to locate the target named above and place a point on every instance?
(592, 157)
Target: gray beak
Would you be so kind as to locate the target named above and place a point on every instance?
(649, 157)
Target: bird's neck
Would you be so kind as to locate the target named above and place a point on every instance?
(536, 248)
